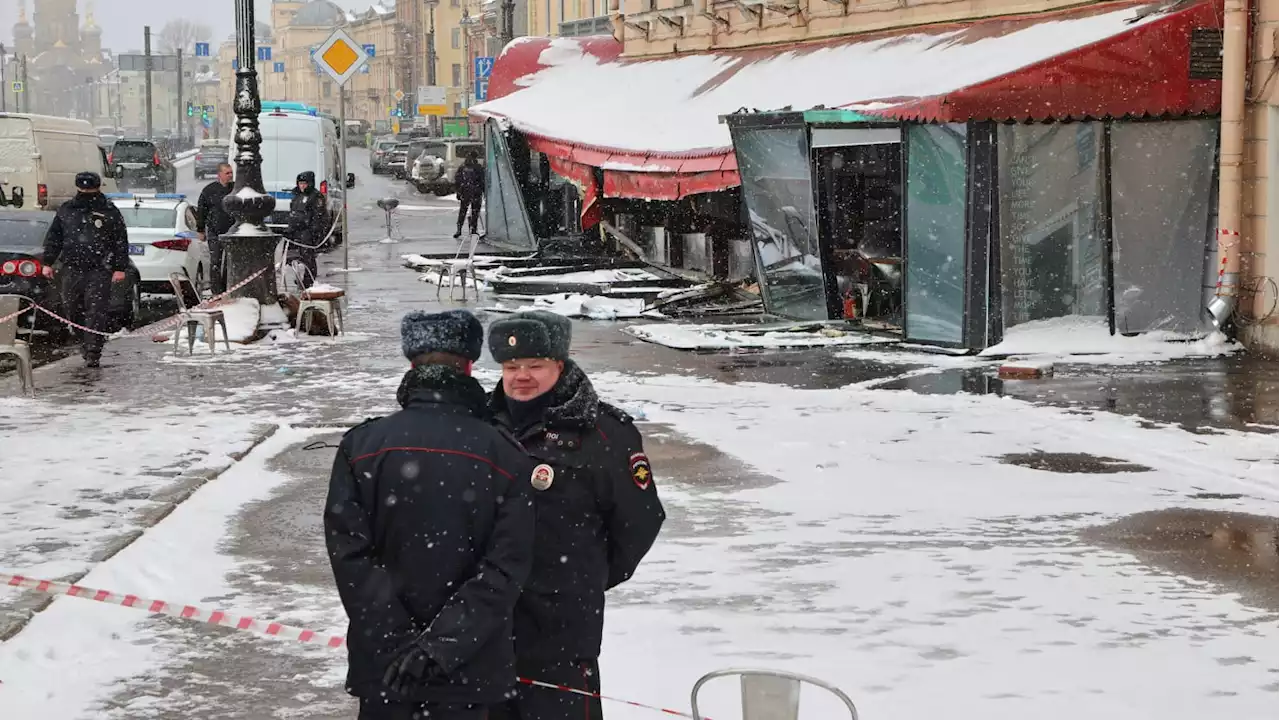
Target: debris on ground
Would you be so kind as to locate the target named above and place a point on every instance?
(770, 336)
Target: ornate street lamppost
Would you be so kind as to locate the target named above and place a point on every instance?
(431, 55)
(250, 246)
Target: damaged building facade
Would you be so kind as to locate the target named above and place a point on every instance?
(945, 173)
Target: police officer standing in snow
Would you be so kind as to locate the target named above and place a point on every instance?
(598, 511)
(429, 525)
(212, 222)
(308, 213)
(88, 234)
(469, 179)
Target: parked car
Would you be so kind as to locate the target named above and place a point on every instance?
(211, 154)
(378, 153)
(40, 156)
(395, 159)
(21, 273)
(139, 164)
(412, 152)
(436, 166)
(163, 240)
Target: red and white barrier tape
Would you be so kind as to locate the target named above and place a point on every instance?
(261, 627)
(147, 330)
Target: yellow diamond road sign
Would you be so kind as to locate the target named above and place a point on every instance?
(341, 57)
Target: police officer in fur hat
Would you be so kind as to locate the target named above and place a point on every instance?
(89, 237)
(598, 511)
(429, 525)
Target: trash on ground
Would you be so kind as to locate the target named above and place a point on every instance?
(772, 336)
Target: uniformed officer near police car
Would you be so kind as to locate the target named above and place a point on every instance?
(597, 507)
(429, 525)
(89, 236)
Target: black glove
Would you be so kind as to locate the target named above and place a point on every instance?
(410, 668)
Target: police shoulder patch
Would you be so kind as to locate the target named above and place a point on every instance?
(641, 471)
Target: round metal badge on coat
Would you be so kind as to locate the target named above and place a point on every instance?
(542, 477)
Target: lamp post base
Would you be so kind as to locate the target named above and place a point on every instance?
(250, 249)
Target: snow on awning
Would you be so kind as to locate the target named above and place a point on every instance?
(661, 117)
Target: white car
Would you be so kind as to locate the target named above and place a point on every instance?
(163, 240)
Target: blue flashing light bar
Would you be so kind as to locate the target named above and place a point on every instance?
(144, 196)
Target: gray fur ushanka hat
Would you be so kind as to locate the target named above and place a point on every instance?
(456, 332)
(531, 334)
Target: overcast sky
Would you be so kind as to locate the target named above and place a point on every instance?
(122, 30)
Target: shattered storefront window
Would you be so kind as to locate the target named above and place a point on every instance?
(505, 221)
(935, 229)
(1161, 184)
(777, 188)
(1051, 242)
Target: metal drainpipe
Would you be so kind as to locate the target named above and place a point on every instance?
(1235, 36)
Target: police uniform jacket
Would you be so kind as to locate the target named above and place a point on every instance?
(88, 233)
(598, 514)
(429, 527)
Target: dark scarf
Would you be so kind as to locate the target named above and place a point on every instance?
(441, 384)
(572, 403)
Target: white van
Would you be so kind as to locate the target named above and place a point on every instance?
(40, 156)
(295, 142)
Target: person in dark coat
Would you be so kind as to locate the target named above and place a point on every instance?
(598, 511)
(469, 181)
(212, 222)
(308, 225)
(429, 525)
(89, 236)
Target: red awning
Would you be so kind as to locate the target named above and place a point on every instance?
(653, 124)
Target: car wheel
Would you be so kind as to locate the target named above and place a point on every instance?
(442, 190)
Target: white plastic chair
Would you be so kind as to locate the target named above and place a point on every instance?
(193, 318)
(11, 345)
(460, 269)
(770, 694)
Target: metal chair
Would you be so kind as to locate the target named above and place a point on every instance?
(327, 304)
(11, 345)
(197, 317)
(770, 694)
(460, 269)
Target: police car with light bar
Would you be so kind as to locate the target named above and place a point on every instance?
(163, 240)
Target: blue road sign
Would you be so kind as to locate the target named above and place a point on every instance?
(364, 69)
(482, 90)
(202, 49)
(264, 54)
(207, 122)
(484, 67)
(278, 66)
(371, 50)
(235, 63)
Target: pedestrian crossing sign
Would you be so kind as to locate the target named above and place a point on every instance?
(17, 86)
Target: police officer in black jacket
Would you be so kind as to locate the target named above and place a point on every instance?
(469, 181)
(88, 234)
(429, 526)
(308, 224)
(598, 511)
(212, 222)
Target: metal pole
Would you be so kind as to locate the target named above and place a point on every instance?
(4, 84)
(342, 174)
(146, 51)
(181, 109)
(26, 88)
(431, 59)
(250, 246)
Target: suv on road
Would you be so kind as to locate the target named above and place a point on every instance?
(438, 163)
(211, 154)
(139, 164)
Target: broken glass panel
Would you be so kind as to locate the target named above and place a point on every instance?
(505, 221)
(936, 199)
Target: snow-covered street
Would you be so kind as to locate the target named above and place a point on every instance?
(933, 554)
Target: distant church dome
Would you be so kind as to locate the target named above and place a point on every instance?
(318, 13)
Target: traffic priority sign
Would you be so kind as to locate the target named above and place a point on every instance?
(340, 57)
(399, 96)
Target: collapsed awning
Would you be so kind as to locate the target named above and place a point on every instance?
(654, 125)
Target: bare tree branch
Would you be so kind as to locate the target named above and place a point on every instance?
(183, 34)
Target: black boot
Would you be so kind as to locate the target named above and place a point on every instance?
(458, 234)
